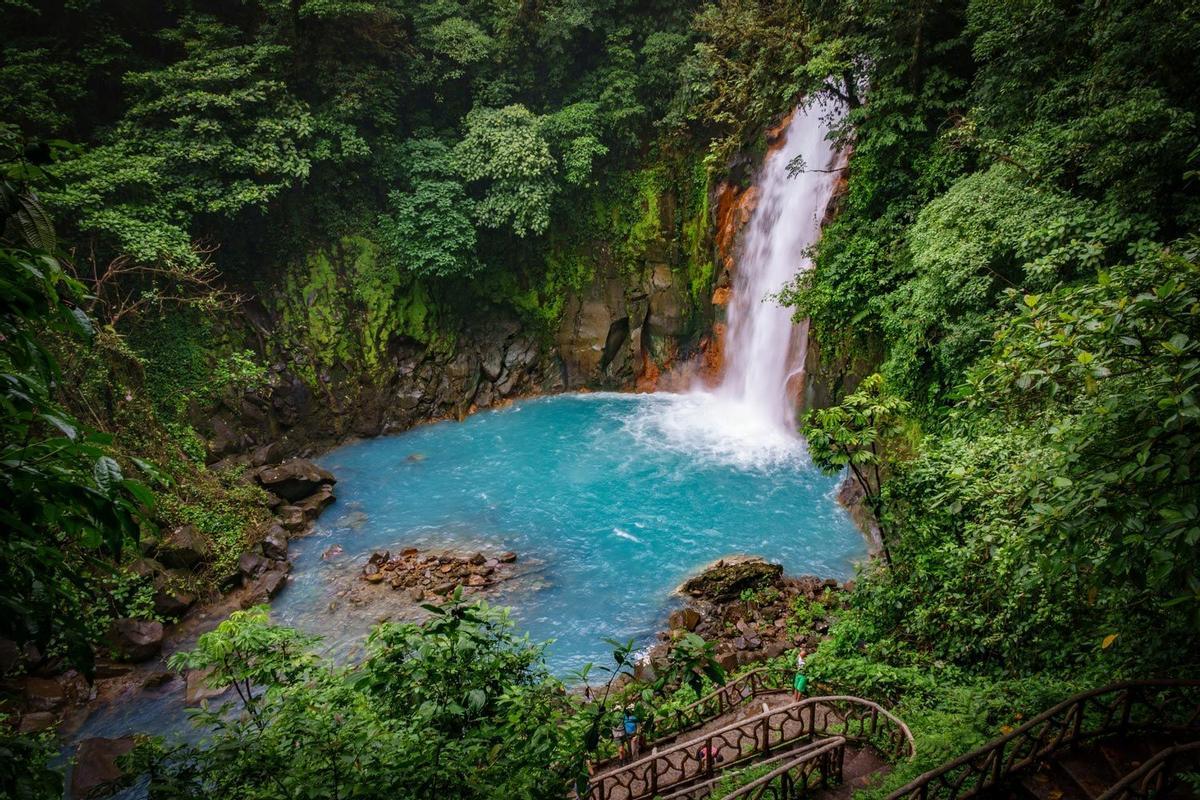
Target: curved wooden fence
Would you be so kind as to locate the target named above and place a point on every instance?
(776, 730)
(702, 791)
(725, 698)
(796, 777)
(1167, 706)
(1153, 778)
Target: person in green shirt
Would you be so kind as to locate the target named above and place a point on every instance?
(800, 682)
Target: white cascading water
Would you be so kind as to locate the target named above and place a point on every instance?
(749, 419)
(763, 348)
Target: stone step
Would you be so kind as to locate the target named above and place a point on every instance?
(1088, 770)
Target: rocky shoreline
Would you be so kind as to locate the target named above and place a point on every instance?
(747, 607)
(40, 694)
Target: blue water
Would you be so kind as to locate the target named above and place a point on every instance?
(610, 500)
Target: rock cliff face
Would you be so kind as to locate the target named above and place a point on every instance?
(624, 328)
(355, 351)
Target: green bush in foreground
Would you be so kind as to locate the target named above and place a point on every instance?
(457, 706)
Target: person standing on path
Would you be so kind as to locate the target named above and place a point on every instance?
(630, 722)
(800, 682)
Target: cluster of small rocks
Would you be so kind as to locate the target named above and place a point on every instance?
(744, 606)
(430, 575)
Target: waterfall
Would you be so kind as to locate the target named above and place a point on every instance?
(748, 420)
(764, 349)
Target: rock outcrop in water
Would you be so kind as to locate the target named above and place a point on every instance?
(728, 578)
(436, 575)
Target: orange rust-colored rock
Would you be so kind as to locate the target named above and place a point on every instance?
(712, 354)
(775, 134)
(721, 296)
(734, 207)
(647, 379)
(840, 187)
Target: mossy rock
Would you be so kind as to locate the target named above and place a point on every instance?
(728, 578)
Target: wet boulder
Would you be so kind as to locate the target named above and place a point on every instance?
(251, 565)
(727, 579)
(146, 568)
(170, 602)
(198, 688)
(184, 547)
(266, 454)
(315, 503)
(275, 543)
(294, 480)
(267, 586)
(96, 764)
(136, 639)
(292, 518)
(36, 721)
(44, 694)
(684, 619)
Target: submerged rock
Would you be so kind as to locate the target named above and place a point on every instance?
(96, 764)
(198, 689)
(433, 574)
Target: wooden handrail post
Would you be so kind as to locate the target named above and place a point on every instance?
(1126, 711)
(1078, 726)
(653, 777)
(998, 763)
(766, 735)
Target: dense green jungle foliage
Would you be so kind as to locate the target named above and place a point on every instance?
(1019, 238)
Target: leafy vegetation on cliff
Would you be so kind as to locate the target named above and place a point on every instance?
(1018, 237)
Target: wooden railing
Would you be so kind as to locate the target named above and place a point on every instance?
(795, 778)
(751, 739)
(735, 693)
(702, 791)
(1167, 706)
(1154, 777)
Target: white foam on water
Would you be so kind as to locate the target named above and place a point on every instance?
(623, 534)
(717, 430)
